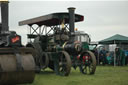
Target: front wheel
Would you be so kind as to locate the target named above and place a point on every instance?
(64, 64)
(88, 63)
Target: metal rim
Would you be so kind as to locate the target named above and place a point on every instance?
(64, 64)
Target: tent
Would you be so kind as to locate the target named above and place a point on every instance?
(115, 39)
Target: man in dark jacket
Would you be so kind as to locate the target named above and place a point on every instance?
(120, 57)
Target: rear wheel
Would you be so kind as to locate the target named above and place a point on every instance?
(64, 64)
(36, 57)
(41, 58)
(88, 63)
(44, 60)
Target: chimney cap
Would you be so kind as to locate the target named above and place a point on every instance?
(73, 8)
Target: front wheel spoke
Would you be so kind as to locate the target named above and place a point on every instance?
(62, 70)
(62, 63)
(91, 67)
(84, 69)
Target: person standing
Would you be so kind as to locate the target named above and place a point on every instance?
(103, 56)
(126, 57)
(109, 59)
(96, 54)
(123, 58)
(120, 57)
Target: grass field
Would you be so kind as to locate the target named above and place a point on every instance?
(107, 75)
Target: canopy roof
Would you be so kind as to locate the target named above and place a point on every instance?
(51, 19)
(115, 39)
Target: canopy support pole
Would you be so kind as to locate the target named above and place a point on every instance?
(114, 56)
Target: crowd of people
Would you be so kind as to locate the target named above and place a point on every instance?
(105, 57)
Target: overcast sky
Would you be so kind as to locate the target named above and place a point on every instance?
(102, 19)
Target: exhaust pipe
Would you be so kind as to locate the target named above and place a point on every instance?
(4, 16)
(71, 19)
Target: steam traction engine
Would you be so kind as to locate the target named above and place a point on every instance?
(53, 38)
(17, 65)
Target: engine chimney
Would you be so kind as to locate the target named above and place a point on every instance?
(4, 16)
(71, 19)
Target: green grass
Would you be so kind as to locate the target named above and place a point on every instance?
(107, 75)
